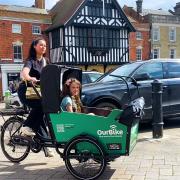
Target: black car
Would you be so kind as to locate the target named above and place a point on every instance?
(111, 92)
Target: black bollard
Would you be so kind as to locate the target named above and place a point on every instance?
(157, 118)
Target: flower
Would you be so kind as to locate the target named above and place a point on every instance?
(68, 82)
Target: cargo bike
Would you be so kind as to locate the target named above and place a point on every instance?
(85, 142)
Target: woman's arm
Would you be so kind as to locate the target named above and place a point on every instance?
(26, 76)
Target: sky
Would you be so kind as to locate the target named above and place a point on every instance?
(147, 4)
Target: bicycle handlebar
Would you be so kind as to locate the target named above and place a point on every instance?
(134, 82)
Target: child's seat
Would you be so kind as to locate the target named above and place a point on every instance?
(52, 79)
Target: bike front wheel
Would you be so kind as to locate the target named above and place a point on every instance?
(84, 158)
(13, 147)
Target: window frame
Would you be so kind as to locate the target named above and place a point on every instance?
(17, 53)
(138, 35)
(138, 49)
(156, 33)
(172, 29)
(16, 28)
(98, 41)
(158, 53)
(36, 26)
(55, 38)
(174, 55)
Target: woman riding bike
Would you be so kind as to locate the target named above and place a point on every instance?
(31, 73)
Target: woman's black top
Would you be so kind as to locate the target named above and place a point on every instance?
(35, 67)
(35, 71)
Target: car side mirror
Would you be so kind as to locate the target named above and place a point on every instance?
(141, 77)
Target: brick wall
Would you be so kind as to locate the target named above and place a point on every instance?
(141, 25)
(144, 43)
(26, 37)
(7, 37)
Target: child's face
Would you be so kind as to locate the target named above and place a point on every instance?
(74, 89)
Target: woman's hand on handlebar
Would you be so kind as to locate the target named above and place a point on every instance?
(33, 80)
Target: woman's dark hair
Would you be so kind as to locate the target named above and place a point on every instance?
(32, 51)
(66, 87)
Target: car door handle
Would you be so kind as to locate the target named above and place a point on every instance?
(137, 84)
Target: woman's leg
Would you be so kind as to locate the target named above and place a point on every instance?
(35, 119)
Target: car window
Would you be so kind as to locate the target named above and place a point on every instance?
(84, 79)
(125, 70)
(153, 70)
(173, 69)
(94, 77)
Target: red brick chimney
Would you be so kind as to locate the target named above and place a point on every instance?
(40, 4)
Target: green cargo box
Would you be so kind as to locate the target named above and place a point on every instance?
(116, 138)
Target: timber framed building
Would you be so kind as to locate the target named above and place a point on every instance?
(91, 33)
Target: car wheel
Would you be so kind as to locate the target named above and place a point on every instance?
(106, 105)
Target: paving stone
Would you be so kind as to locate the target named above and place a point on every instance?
(138, 178)
(166, 172)
(169, 177)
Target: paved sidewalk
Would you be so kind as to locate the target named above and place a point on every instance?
(151, 159)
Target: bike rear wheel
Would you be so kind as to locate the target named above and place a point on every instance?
(84, 158)
(11, 141)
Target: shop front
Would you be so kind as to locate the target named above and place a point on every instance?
(10, 77)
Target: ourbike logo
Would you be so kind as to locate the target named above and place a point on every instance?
(110, 132)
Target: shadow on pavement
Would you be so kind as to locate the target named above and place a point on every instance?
(143, 139)
(168, 124)
(40, 171)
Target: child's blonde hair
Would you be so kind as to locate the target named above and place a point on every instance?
(66, 87)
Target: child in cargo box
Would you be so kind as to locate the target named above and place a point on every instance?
(71, 93)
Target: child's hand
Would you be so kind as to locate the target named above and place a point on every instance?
(92, 114)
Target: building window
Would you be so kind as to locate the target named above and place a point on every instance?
(156, 53)
(138, 35)
(17, 51)
(36, 29)
(98, 40)
(138, 54)
(55, 38)
(96, 9)
(156, 34)
(172, 34)
(16, 28)
(172, 53)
